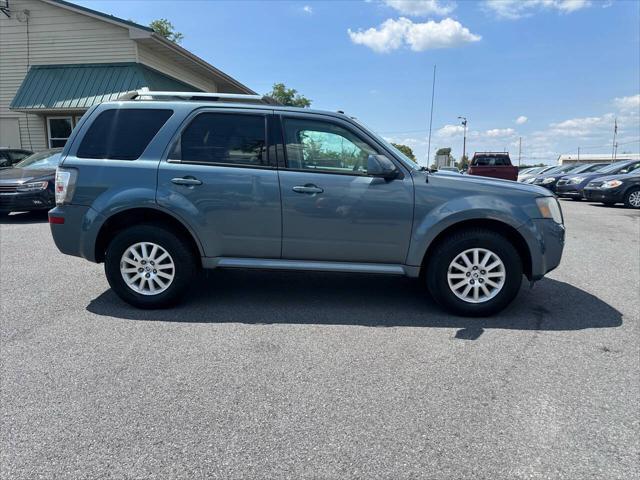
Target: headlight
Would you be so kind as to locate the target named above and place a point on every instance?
(32, 187)
(548, 180)
(612, 184)
(549, 208)
(574, 180)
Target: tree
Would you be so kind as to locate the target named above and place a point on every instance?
(443, 151)
(463, 163)
(165, 28)
(406, 150)
(288, 96)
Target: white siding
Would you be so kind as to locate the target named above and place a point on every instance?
(163, 64)
(56, 36)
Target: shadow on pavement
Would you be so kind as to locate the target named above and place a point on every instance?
(261, 297)
(40, 216)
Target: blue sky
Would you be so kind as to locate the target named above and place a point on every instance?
(565, 68)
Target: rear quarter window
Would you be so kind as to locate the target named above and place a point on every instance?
(122, 134)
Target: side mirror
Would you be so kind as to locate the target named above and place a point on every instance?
(381, 166)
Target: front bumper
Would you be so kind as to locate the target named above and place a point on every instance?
(569, 190)
(605, 195)
(27, 201)
(545, 239)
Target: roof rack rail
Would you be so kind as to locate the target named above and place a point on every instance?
(198, 96)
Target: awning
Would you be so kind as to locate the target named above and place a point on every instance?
(78, 87)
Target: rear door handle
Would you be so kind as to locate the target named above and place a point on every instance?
(308, 188)
(189, 181)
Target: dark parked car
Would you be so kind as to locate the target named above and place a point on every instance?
(29, 184)
(11, 156)
(572, 186)
(493, 164)
(613, 189)
(157, 189)
(550, 178)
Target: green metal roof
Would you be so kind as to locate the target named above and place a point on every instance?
(64, 87)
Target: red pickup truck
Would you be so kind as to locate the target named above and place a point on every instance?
(493, 164)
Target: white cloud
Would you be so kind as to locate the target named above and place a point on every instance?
(581, 127)
(500, 132)
(513, 9)
(450, 131)
(521, 120)
(421, 7)
(392, 34)
(307, 9)
(631, 103)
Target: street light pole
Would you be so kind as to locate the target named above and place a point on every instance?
(464, 138)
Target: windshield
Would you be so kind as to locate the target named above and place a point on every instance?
(610, 168)
(43, 160)
(587, 168)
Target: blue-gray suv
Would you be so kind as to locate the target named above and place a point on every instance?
(163, 184)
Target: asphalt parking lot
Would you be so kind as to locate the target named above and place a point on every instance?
(292, 375)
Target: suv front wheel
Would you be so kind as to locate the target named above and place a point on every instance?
(474, 273)
(149, 267)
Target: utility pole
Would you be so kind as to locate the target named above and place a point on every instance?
(464, 138)
(433, 93)
(519, 151)
(615, 146)
(578, 154)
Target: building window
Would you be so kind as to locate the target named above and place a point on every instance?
(59, 129)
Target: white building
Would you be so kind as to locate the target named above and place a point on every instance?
(57, 59)
(596, 158)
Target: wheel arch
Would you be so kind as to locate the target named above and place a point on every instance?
(136, 216)
(501, 228)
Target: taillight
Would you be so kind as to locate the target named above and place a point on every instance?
(65, 185)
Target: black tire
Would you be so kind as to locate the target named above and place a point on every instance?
(186, 266)
(449, 248)
(627, 197)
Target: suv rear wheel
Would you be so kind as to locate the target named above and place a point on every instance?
(474, 273)
(149, 267)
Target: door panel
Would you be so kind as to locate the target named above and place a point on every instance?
(355, 218)
(235, 211)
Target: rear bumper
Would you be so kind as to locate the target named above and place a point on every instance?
(28, 201)
(76, 230)
(608, 195)
(545, 239)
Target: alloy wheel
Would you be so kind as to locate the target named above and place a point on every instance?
(147, 268)
(476, 275)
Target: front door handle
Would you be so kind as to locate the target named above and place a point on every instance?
(308, 188)
(189, 181)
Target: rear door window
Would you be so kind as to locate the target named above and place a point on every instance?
(122, 134)
(224, 139)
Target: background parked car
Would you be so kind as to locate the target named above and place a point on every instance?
(613, 189)
(532, 172)
(493, 164)
(572, 186)
(11, 156)
(551, 177)
(29, 184)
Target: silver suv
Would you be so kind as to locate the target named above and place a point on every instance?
(162, 184)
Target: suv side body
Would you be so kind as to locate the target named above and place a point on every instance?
(283, 208)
